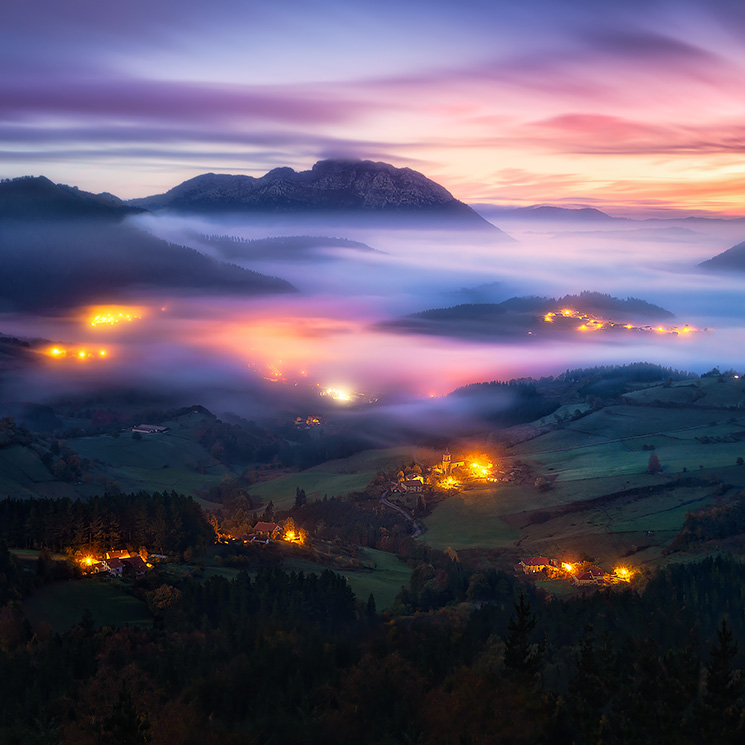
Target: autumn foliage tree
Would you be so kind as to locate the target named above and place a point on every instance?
(654, 464)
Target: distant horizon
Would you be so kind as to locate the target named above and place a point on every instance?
(640, 212)
(636, 108)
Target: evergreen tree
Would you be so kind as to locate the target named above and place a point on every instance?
(522, 658)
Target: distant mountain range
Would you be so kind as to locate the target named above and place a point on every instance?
(36, 197)
(543, 213)
(340, 187)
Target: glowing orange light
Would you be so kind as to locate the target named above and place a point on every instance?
(567, 567)
(81, 354)
(448, 483)
(102, 353)
(56, 352)
(566, 312)
(111, 315)
(337, 394)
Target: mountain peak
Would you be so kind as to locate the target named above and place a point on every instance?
(333, 186)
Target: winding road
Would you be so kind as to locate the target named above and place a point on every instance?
(417, 528)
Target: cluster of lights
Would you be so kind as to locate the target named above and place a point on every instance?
(448, 483)
(337, 394)
(112, 315)
(480, 470)
(60, 353)
(590, 323)
(111, 319)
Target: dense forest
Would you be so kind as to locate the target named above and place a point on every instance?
(290, 657)
(168, 523)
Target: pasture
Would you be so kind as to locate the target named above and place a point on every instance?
(603, 502)
(338, 477)
(61, 605)
(156, 462)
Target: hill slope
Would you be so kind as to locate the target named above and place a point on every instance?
(528, 315)
(36, 197)
(57, 264)
(732, 258)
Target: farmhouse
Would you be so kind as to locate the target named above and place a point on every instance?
(150, 429)
(134, 565)
(114, 567)
(587, 578)
(413, 483)
(118, 554)
(536, 564)
(269, 530)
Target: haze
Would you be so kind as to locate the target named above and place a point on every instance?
(241, 353)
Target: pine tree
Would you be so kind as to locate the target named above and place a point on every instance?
(522, 659)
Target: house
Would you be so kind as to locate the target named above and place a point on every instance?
(536, 564)
(413, 483)
(118, 554)
(113, 566)
(150, 429)
(584, 578)
(134, 565)
(270, 530)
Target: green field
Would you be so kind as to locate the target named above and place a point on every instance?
(61, 605)
(600, 454)
(383, 576)
(172, 460)
(706, 392)
(336, 477)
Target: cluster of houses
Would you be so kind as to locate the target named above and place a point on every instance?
(263, 532)
(580, 574)
(116, 564)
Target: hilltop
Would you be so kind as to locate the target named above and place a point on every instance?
(532, 315)
(38, 198)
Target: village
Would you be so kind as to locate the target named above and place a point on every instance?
(413, 488)
(579, 573)
(567, 318)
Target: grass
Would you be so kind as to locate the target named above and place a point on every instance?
(154, 463)
(61, 605)
(383, 577)
(469, 520)
(598, 455)
(336, 477)
(22, 474)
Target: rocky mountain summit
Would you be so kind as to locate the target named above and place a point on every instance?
(359, 187)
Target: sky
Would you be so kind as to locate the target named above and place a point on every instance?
(635, 107)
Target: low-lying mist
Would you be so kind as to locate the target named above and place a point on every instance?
(274, 352)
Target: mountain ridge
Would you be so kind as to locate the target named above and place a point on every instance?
(358, 187)
(37, 197)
